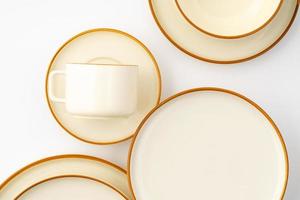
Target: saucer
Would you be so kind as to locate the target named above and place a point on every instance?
(223, 51)
(71, 187)
(63, 166)
(229, 19)
(106, 46)
(208, 143)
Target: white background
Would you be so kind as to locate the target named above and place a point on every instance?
(31, 32)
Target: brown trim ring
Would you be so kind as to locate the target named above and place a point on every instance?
(70, 176)
(68, 156)
(103, 65)
(216, 90)
(217, 61)
(77, 36)
(233, 36)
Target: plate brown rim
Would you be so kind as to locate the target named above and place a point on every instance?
(58, 157)
(218, 61)
(70, 176)
(212, 89)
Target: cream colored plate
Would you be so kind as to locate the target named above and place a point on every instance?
(106, 46)
(75, 165)
(71, 188)
(230, 18)
(208, 143)
(205, 47)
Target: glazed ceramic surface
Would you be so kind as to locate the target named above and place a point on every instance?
(98, 90)
(211, 144)
(106, 46)
(208, 48)
(65, 165)
(71, 188)
(229, 18)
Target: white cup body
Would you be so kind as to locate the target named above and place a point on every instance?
(101, 90)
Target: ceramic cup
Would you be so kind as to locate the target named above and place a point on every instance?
(98, 90)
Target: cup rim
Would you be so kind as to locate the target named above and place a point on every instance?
(103, 65)
(191, 22)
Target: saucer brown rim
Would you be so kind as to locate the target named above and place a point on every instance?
(74, 38)
(218, 61)
(233, 36)
(104, 65)
(58, 157)
(70, 176)
(213, 89)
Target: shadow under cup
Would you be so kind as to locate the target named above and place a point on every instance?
(98, 90)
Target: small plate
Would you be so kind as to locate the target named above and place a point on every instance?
(65, 165)
(211, 49)
(106, 46)
(229, 19)
(208, 143)
(71, 188)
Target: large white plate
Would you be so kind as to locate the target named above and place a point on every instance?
(106, 46)
(208, 143)
(65, 165)
(208, 48)
(70, 188)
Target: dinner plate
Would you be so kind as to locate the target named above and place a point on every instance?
(211, 49)
(106, 46)
(208, 143)
(70, 188)
(231, 18)
(65, 165)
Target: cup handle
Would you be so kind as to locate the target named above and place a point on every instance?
(50, 87)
